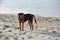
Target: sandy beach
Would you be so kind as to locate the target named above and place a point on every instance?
(47, 28)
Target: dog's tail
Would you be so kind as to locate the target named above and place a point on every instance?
(34, 19)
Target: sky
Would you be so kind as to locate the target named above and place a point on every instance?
(41, 7)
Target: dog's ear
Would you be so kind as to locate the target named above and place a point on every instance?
(20, 13)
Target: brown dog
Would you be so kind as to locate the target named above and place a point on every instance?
(26, 17)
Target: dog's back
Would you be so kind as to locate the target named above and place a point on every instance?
(28, 17)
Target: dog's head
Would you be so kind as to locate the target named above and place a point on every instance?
(21, 15)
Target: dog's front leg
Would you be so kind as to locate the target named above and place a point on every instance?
(22, 25)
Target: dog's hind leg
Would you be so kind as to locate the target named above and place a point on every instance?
(30, 24)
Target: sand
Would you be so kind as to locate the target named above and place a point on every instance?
(47, 28)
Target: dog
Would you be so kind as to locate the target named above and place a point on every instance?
(26, 17)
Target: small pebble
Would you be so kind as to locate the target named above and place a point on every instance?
(9, 30)
(6, 26)
(6, 38)
(54, 31)
(22, 38)
(24, 33)
(0, 32)
(30, 37)
(36, 27)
